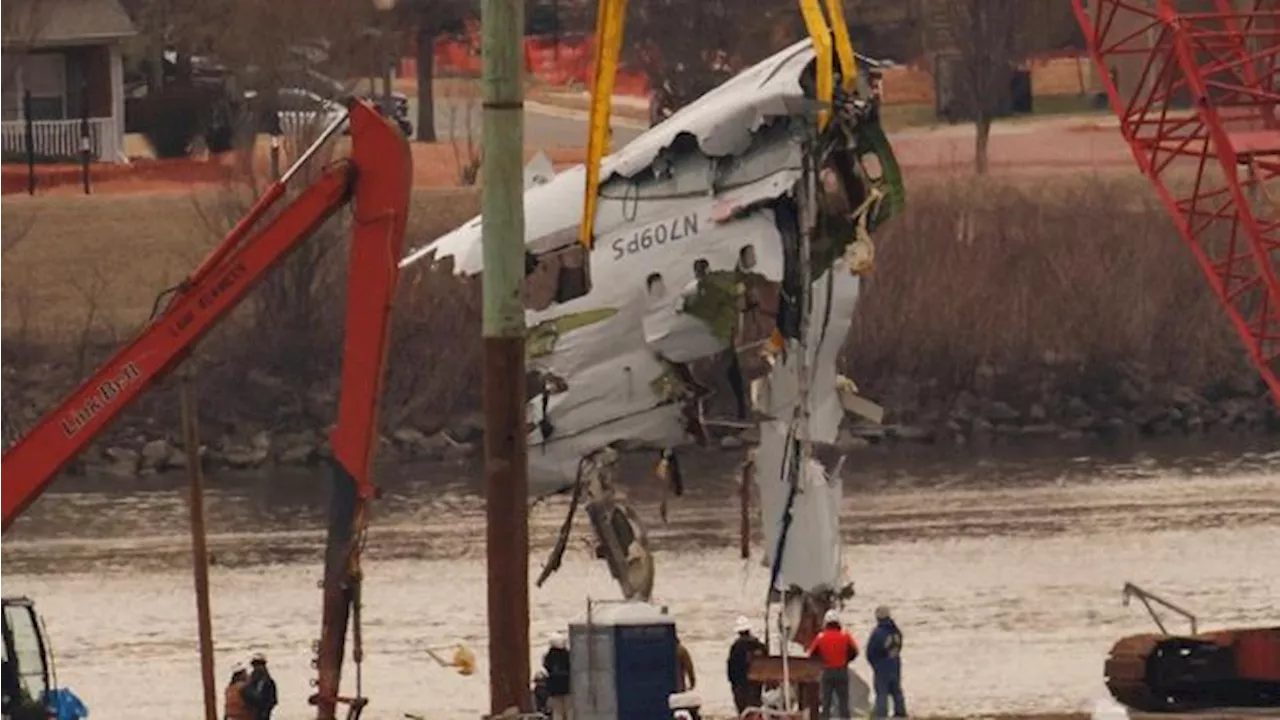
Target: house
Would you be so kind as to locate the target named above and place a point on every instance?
(66, 54)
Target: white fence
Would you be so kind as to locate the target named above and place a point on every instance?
(61, 138)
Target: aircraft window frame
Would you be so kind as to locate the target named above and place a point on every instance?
(570, 262)
(649, 282)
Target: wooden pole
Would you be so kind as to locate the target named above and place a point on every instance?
(505, 450)
(199, 550)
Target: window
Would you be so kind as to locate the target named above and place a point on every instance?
(12, 91)
(45, 75)
(557, 276)
(654, 286)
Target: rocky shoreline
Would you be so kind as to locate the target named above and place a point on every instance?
(1126, 413)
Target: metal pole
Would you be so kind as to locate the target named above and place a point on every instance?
(86, 147)
(748, 473)
(785, 642)
(274, 157)
(199, 551)
(505, 451)
(30, 137)
(388, 70)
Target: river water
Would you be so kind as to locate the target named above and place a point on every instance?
(1003, 571)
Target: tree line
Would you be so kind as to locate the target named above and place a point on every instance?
(691, 44)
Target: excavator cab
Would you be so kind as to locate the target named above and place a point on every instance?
(29, 679)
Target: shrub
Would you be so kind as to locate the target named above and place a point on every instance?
(171, 120)
(1087, 273)
(219, 137)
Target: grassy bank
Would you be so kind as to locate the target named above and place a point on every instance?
(1069, 307)
(1087, 275)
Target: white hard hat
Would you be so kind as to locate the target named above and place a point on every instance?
(557, 640)
(258, 658)
(831, 617)
(238, 667)
(882, 612)
(742, 624)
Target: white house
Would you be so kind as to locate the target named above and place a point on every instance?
(66, 54)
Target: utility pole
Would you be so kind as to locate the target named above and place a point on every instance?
(505, 452)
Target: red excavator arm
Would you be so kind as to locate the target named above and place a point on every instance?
(377, 179)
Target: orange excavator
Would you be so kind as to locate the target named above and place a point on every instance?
(376, 179)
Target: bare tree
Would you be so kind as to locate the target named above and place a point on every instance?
(982, 35)
(987, 40)
(463, 112)
(297, 308)
(185, 26)
(271, 37)
(430, 19)
(22, 22)
(693, 47)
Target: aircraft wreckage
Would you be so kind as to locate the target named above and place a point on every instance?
(736, 196)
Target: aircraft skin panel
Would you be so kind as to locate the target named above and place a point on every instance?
(611, 366)
(777, 394)
(811, 555)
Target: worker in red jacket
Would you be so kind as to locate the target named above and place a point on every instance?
(836, 649)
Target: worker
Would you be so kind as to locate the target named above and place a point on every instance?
(260, 691)
(745, 647)
(835, 648)
(12, 682)
(556, 663)
(686, 678)
(539, 692)
(884, 654)
(234, 707)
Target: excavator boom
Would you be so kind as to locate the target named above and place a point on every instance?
(378, 175)
(376, 179)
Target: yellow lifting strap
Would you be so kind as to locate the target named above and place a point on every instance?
(844, 45)
(823, 36)
(611, 18)
(816, 23)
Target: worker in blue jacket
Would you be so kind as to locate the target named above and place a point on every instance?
(884, 654)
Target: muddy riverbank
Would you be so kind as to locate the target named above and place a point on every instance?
(1028, 409)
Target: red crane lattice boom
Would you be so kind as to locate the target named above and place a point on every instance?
(1196, 86)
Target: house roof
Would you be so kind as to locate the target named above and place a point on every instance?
(43, 23)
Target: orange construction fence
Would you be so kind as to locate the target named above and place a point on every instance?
(567, 60)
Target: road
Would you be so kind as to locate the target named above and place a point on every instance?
(544, 126)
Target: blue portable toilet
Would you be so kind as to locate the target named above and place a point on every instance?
(622, 662)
